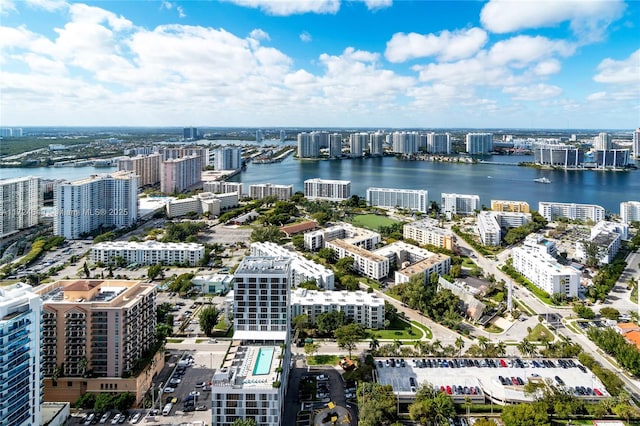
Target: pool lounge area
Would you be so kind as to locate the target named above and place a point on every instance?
(263, 361)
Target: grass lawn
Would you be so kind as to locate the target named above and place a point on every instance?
(174, 340)
(538, 332)
(372, 221)
(491, 328)
(323, 360)
(399, 329)
(424, 328)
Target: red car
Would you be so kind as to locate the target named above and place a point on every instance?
(448, 390)
(597, 392)
(503, 363)
(442, 389)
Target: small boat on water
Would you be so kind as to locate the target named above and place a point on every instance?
(542, 180)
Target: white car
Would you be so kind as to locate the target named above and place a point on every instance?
(194, 393)
(169, 389)
(136, 418)
(115, 419)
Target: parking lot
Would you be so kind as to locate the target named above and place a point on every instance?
(502, 380)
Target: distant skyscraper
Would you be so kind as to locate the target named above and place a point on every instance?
(411, 199)
(190, 133)
(86, 205)
(180, 174)
(438, 143)
(479, 143)
(357, 143)
(405, 142)
(630, 211)
(173, 153)
(636, 143)
(21, 366)
(308, 146)
(259, 135)
(283, 136)
(322, 139)
(602, 141)
(20, 203)
(228, 158)
(376, 143)
(335, 145)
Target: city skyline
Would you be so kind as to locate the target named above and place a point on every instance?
(320, 64)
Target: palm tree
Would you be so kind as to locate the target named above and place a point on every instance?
(397, 344)
(436, 347)
(459, 345)
(374, 344)
(483, 342)
(526, 348)
(501, 348)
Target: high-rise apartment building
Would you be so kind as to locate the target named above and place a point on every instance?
(283, 135)
(411, 199)
(252, 381)
(308, 146)
(479, 143)
(174, 153)
(322, 139)
(636, 143)
(630, 211)
(376, 144)
(227, 158)
(95, 332)
(552, 211)
(263, 190)
(147, 167)
(544, 271)
(86, 205)
(335, 145)
(602, 141)
(459, 203)
(558, 155)
(438, 143)
(491, 224)
(20, 203)
(357, 143)
(405, 142)
(190, 133)
(326, 189)
(20, 353)
(611, 158)
(259, 136)
(180, 174)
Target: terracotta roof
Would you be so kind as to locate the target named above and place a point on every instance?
(299, 227)
(83, 285)
(627, 326)
(633, 337)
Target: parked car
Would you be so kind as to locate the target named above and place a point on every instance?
(136, 418)
(201, 408)
(115, 419)
(105, 417)
(169, 389)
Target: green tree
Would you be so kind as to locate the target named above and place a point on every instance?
(459, 345)
(154, 271)
(208, 319)
(327, 322)
(85, 269)
(300, 322)
(377, 404)
(485, 422)
(348, 336)
(269, 233)
(374, 344)
(298, 241)
(345, 264)
(610, 313)
(431, 407)
(326, 253)
(532, 414)
(103, 402)
(311, 348)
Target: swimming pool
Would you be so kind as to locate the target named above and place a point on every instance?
(263, 362)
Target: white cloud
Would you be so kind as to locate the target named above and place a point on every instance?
(181, 13)
(259, 34)
(378, 4)
(522, 50)
(48, 5)
(589, 18)
(626, 71)
(7, 6)
(446, 46)
(287, 7)
(597, 96)
(95, 15)
(536, 92)
(305, 36)
(548, 67)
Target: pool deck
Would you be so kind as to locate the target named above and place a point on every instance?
(246, 359)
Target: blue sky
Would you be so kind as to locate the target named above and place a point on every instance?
(321, 63)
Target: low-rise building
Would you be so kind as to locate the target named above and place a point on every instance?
(213, 284)
(147, 252)
(491, 223)
(540, 243)
(427, 232)
(302, 269)
(510, 206)
(360, 237)
(205, 202)
(607, 236)
(365, 262)
(366, 309)
(473, 308)
(544, 271)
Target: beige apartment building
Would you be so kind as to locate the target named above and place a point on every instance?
(94, 334)
(509, 206)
